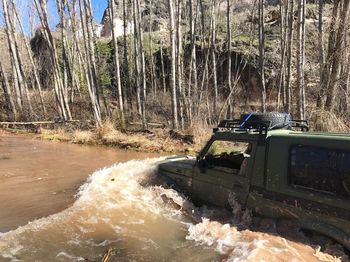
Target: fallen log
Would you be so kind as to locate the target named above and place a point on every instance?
(41, 122)
(149, 124)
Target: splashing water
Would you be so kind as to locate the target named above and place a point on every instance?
(125, 208)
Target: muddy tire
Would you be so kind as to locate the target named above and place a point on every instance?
(275, 120)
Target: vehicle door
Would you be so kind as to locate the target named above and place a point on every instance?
(221, 173)
(310, 181)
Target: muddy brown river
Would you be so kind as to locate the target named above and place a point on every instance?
(63, 202)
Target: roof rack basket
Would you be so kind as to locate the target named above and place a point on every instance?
(262, 127)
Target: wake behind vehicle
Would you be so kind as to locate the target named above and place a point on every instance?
(275, 167)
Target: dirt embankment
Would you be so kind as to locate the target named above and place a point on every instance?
(151, 140)
(157, 138)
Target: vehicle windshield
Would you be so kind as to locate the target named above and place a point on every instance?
(229, 154)
(220, 147)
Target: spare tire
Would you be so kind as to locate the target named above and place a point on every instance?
(274, 120)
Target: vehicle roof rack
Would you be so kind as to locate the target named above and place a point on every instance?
(235, 125)
(302, 124)
(261, 127)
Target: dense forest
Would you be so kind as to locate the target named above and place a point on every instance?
(175, 62)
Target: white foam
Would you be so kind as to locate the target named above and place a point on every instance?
(114, 206)
(70, 257)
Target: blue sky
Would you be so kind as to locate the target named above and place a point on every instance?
(26, 7)
(98, 7)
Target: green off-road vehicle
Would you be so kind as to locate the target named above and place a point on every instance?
(275, 167)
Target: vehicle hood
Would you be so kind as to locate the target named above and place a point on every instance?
(181, 165)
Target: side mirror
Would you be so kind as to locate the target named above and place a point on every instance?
(198, 160)
(201, 163)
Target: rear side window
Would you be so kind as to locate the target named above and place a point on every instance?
(320, 169)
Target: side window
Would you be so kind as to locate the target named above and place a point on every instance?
(230, 154)
(320, 169)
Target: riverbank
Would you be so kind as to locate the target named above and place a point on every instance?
(156, 139)
(153, 140)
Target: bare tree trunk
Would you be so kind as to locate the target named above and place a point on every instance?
(213, 55)
(88, 68)
(13, 57)
(227, 100)
(34, 68)
(7, 91)
(252, 26)
(320, 36)
(67, 77)
(202, 86)
(126, 63)
(92, 55)
(77, 54)
(284, 6)
(179, 62)
(347, 82)
(152, 69)
(162, 65)
(173, 67)
(344, 72)
(137, 58)
(262, 54)
(69, 55)
(289, 57)
(229, 63)
(326, 70)
(116, 63)
(300, 60)
(143, 67)
(303, 86)
(336, 56)
(193, 63)
(19, 65)
(58, 85)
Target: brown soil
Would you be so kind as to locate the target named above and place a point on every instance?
(160, 140)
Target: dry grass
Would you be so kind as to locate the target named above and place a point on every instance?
(201, 132)
(107, 134)
(55, 135)
(321, 120)
(83, 137)
(156, 140)
(107, 130)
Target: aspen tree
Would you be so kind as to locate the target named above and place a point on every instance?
(229, 53)
(126, 71)
(17, 80)
(143, 66)
(88, 66)
(137, 58)
(213, 54)
(173, 62)
(289, 57)
(7, 91)
(30, 55)
(262, 54)
(116, 62)
(58, 83)
(284, 6)
(179, 56)
(336, 55)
